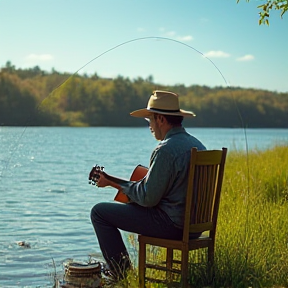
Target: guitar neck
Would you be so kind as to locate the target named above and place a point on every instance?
(138, 174)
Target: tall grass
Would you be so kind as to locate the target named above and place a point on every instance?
(252, 231)
(252, 235)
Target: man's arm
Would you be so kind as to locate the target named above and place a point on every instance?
(105, 180)
(149, 191)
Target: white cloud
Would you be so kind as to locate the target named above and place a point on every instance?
(40, 57)
(173, 34)
(216, 54)
(247, 57)
(186, 38)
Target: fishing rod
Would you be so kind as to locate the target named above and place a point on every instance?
(158, 38)
(14, 149)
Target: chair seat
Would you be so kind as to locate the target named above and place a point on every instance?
(201, 242)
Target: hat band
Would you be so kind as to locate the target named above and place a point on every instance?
(164, 110)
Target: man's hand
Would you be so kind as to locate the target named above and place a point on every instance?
(98, 177)
(103, 181)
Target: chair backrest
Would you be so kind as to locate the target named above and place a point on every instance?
(203, 191)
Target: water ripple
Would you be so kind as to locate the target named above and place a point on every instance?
(46, 199)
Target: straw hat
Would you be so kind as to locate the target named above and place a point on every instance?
(162, 102)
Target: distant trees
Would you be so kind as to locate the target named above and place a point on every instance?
(34, 97)
(20, 96)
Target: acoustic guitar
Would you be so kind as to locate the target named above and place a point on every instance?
(138, 173)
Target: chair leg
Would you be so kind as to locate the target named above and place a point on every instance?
(141, 264)
(184, 268)
(211, 254)
(211, 270)
(169, 263)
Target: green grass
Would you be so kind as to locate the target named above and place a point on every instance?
(252, 231)
(252, 236)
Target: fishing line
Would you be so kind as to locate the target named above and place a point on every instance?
(159, 39)
(114, 48)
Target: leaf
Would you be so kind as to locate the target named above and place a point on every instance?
(260, 6)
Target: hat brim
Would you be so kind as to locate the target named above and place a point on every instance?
(146, 112)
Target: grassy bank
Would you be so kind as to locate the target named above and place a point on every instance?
(251, 247)
(252, 236)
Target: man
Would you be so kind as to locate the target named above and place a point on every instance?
(157, 202)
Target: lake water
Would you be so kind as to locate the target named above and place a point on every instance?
(45, 197)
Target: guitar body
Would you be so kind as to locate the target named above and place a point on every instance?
(138, 174)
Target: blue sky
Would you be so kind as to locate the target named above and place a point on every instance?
(213, 42)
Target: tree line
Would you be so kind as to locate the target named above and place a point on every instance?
(32, 97)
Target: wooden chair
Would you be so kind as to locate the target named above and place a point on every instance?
(202, 205)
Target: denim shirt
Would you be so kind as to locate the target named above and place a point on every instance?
(165, 184)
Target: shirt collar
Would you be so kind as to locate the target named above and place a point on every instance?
(173, 131)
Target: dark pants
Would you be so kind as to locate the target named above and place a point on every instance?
(108, 218)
